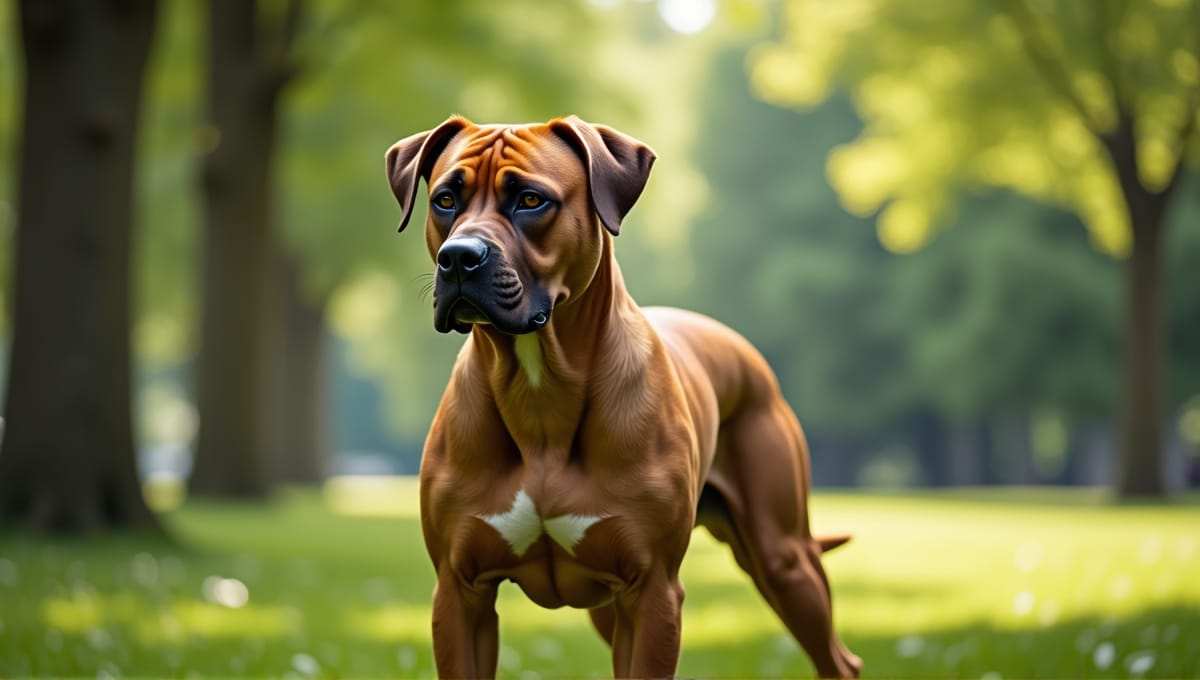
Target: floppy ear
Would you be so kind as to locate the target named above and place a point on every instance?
(411, 159)
(618, 166)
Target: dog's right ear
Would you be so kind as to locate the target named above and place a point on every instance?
(411, 159)
(617, 165)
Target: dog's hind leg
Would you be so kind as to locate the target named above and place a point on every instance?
(761, 475)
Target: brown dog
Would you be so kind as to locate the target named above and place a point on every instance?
(581, 438)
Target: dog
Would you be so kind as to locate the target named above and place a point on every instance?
(581, 438)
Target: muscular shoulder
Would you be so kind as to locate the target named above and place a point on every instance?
(697, 331)
(698, 342)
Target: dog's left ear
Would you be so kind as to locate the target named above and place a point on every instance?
(618, 166)
(412, 158)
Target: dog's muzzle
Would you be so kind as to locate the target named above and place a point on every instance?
(475, 286)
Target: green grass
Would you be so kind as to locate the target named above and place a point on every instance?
(962, 584)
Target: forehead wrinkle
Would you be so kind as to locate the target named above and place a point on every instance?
(518, 142)
(482, 139)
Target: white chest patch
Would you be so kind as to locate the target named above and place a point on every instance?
(522, 525)
(529, 352)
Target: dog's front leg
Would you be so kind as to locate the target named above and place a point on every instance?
(646, 630)
(466, 636)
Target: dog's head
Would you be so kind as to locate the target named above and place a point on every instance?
(516, 213)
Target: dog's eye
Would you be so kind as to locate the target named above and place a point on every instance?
(528, 200)
(444, 200)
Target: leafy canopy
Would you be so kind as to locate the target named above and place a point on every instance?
(1011, 94)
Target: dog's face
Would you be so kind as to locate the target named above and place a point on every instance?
(516, 213)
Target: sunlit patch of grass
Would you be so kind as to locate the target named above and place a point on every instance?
(1027, 583)
(393, 623)
(371, 496)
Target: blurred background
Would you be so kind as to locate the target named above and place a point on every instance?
(918, 215)
(916, 227)
(965, 235)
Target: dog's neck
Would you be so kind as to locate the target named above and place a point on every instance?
(543, 388)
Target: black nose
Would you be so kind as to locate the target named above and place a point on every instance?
(464, 254)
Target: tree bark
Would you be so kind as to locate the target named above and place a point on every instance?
(300, 417)
(248, 67)
(1140, 458)
(67, 458)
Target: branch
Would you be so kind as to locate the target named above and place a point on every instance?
(1044, 61)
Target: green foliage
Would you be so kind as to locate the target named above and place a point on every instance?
(1052, 584)
(1005, 94)
(739, 220)
(1013, 313)
(784, 265)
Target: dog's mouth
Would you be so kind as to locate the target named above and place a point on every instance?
(464, 314)
(459, 311)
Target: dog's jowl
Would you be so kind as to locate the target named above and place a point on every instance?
(581, 437)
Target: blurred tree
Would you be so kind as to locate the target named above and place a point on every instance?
(369, 76)
(1006, 319)
(251, 59)
(933, 354)
(67, 457)
(1091, 105)
(299, 434)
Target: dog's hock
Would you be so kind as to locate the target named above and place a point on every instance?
(521, 526)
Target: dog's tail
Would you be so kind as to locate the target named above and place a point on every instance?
(828, 543)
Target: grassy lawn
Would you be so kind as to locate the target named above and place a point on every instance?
(1012, 584)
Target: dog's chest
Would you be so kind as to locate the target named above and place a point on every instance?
(523, 524)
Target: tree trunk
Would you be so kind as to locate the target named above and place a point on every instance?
(1140, 458)
(247, 69)
(1140, 461)
(67, 459)
(301, 434)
